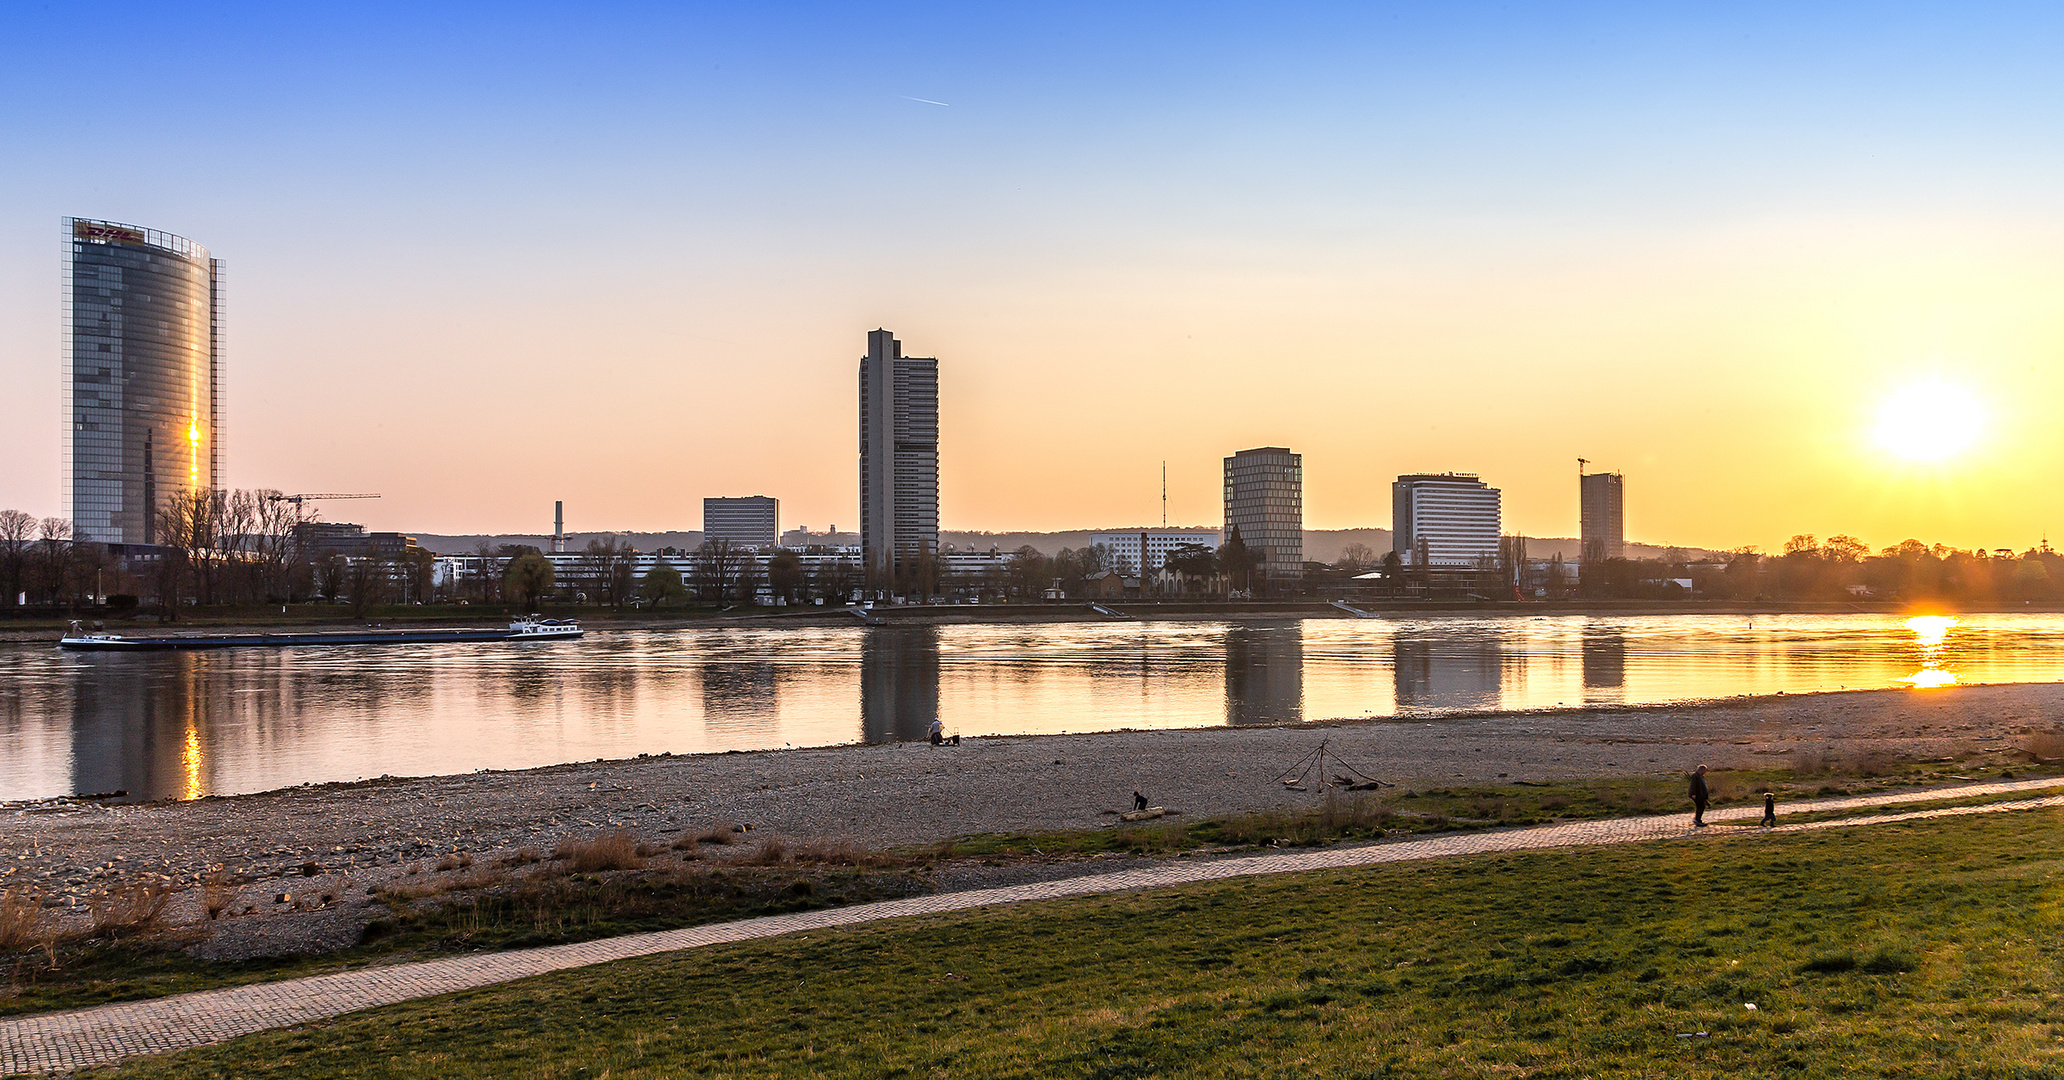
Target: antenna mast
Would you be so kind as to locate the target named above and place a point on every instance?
(1164, 494)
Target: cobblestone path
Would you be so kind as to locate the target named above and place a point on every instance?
(55, 1043)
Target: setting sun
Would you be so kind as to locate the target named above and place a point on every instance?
(1929, 421)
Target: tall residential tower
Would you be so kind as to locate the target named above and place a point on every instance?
(142, 376)
(899, 463)
(1601, 499)
(1264, 499)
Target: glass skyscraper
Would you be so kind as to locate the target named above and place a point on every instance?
(1264, 499)
(142, 376)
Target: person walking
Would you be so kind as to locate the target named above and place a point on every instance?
(1769, 808)
(1700, 796)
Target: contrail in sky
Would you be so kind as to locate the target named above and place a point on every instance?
(926, 100)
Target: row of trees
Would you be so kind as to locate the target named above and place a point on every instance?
(1843, 568)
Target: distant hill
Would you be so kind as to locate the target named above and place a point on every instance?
(1320, 545)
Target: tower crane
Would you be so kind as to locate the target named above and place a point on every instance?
(321, 496)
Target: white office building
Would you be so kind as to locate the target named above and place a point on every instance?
(1125, 546)
(1444, 519)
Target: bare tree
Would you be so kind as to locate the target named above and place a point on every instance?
(835, 580)
(608, 563)
(717, 564)
(330, 572)
(17, 531)
(487, 577)
(188, 523)
(366, 583)
(54, 544)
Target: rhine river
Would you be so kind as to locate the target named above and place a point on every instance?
(184, 725)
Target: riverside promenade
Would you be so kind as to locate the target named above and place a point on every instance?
(58, 1043)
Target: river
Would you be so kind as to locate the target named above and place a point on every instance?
(186, 725)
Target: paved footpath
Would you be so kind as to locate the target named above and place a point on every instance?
(56, 1043)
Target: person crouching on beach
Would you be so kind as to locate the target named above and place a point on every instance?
(938, 734)
(1700, 796)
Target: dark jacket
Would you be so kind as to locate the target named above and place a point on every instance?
(1699, 794)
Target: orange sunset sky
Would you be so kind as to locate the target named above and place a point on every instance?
(1788, 272)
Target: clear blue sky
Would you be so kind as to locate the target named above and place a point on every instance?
(1689, 241)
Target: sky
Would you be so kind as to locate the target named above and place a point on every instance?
(478, 259)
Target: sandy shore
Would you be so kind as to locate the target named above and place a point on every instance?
(361, 834)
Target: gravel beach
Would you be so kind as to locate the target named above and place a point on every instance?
(361, 834)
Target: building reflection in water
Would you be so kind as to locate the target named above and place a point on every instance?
(741, 694)
(1264, 674)
(1448, 672)
(899, 683)
(141, 725)
(1605, 663)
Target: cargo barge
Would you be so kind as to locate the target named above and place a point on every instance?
(527, 628)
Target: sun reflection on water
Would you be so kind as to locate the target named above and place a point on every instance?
(190, 763)
(1931, 633)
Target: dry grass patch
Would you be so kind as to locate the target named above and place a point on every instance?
(614, 851)
(130, 909)
(218, 892)
(720, 834)
(841, 853)
(773, 851)
(22, 923)
(2046, 747)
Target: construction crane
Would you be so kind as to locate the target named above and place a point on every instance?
(322, 496)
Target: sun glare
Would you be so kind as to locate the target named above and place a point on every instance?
(1929, 421)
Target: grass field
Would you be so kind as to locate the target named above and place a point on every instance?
(1927, 949)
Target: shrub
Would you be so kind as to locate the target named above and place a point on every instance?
(218, 892)
(524, 856)
(718, 834)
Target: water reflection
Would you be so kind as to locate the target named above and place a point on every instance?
(131, 726)
(1264, 674)
(1463, 671)
(177, 725)
(1931, 638)
(899, 683)
(1605, 663)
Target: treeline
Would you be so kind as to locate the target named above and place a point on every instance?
(719, 572)
(210, 547)
(1843, 568)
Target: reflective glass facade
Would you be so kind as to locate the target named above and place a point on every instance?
(142, 375)
(1264, 499)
